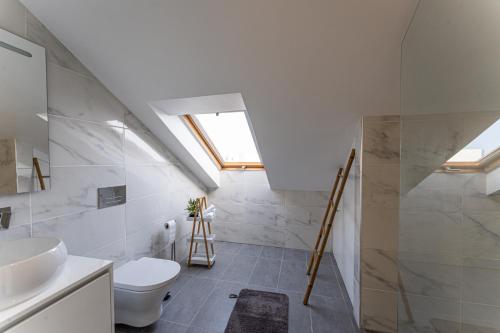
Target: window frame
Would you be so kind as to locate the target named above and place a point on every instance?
(485, 164)
(207, 144)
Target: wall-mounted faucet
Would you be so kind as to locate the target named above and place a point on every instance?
(5, 214)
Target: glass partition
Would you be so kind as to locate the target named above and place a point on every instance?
(449, 231)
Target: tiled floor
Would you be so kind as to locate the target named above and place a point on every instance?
(200, 303)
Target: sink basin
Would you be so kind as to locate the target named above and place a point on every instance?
(27, 266)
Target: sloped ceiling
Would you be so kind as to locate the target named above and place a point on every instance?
(307, 69)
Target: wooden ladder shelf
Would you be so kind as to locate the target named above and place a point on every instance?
(208, 258)
(326, 226)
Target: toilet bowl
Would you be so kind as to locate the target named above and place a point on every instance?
(140, 287)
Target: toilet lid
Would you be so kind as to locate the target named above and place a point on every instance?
(145, 274)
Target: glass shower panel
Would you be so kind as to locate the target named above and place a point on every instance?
(449, 230)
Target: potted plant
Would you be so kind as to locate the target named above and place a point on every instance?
(191, 208)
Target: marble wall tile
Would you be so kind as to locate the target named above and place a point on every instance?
(150, 239)
(115, 252)
(85, 231)
(252, 234)
(144, 180)
(430, 232)
(12, 17)
(230, 194)
(301, 237)
(428, 314)
(142, 213)
(262, 195)
(480, 281)
(430, 278)
(379, 269)
(56, 51)
(8, 171)
(256, 178)
(475, 199)
(141, 146)
(439, 199)
(380, 229)
(19, 232)
(261, 214)
(379, 310)
(382, 144)
(306, 198)
(481, 235)
(380, 187)
(20, 208)
(75, 143)
(228, 212)
(80, 97)
(479, 318)
(245, 198)
(74, 190)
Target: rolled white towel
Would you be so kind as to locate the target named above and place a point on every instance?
(209, 217)
(210, 209)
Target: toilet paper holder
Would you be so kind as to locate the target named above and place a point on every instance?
(172, 246)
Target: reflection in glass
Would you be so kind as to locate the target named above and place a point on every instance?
(24, 143)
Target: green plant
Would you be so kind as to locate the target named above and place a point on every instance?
(191, 207)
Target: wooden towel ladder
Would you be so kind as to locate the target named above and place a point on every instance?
(196, 237)
(326, 226)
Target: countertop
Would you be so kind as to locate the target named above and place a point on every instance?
(77, 271)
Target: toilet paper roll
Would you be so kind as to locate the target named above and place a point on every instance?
(171, 227)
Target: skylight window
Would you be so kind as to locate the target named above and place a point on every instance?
(482, 146)
(227, 138)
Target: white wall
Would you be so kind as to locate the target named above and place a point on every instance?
(96, 142)
(249, 211)
(346, 231)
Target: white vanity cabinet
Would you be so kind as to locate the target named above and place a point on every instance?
(80, 301)
(85, 310)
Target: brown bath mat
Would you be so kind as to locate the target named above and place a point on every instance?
(259, 312)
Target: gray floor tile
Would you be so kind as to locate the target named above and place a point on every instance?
(190, 270)
(326, 259)
(266, 273)
(329, 315)
(262, 288)
(181, 281)
(127, 329)
(293, 276)
(222, 263)
(162, 326)
(326, 287)
(228, 247)
(295, 255)
(250, 250)
(199, 287)
(188, 301)
(299, 316)
(240, 269)
(326, 283)
(195, 329)
(272, 252)
(215, 313)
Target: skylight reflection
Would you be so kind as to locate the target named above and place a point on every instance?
(483, 145)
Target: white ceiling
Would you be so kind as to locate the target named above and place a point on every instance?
(307, 69)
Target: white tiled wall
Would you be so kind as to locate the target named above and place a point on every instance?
(249, 211)
(96, 142)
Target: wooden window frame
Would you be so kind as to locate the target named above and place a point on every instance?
(212, 151)
(485, 164)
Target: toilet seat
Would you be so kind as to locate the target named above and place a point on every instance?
(145, 274)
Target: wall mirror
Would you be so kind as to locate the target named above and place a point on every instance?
(24, 136)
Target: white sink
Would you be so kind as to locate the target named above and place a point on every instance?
(27, 266)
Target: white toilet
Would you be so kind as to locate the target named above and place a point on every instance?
(140, 287)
